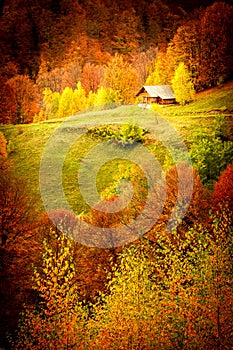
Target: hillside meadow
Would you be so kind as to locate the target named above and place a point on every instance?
(116, 220)
(26, 143)
(156, 292)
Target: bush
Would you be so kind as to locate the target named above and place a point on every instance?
(210, 156)
(130, 133)
(125, 135)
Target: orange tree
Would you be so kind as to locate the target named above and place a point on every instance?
(19, 246)
(223, 189)
(7, 104)
(202, 45)
(26, 98)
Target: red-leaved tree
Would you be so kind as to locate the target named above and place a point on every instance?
(223, 190)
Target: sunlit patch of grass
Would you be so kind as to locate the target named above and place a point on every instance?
(216, 101)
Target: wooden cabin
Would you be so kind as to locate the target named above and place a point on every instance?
(161, 94)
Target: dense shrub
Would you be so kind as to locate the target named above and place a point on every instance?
(210, 156)
(123, 135)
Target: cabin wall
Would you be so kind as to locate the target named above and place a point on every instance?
(144, 98)
(167, 102)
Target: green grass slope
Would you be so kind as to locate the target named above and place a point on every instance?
(210, 101)
(27, 143)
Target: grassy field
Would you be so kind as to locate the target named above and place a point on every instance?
(70, 146)
(211, 101)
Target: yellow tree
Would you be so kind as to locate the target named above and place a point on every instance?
(162, 73)
(101, 96)
(122, 78)
(175, 293)
(54, 104)
(182, 85)
(79, 100)
(91, 99)
(124, 317)
(64, 109)
(184, 47)
(56, 323)
(51, 103)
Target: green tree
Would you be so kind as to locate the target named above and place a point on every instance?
(210, 156)
(194, 272)
(55, 104)
(182, 85)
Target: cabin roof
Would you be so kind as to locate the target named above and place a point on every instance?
(163, 91)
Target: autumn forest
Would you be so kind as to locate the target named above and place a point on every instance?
(149, 271)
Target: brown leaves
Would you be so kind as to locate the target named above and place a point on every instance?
(26, 98)
(223, 190)
(186, 200)
(19, 247)
(8, 104)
